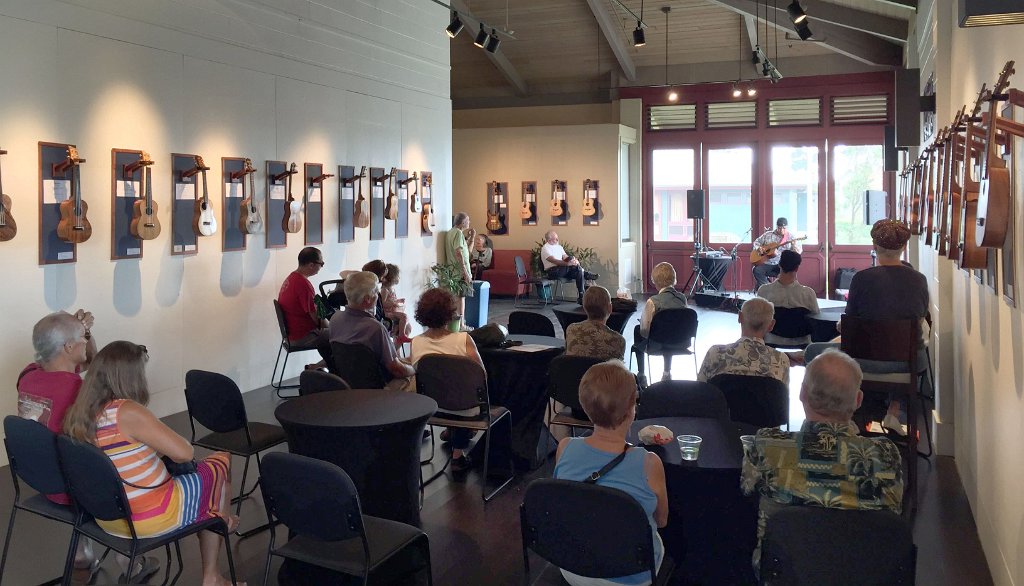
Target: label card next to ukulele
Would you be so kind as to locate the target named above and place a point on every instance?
(56, 190)
(128, 188)
(183, 191)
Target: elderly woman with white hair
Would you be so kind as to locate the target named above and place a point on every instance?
(608, 394)
(663, 277)
(749, 355)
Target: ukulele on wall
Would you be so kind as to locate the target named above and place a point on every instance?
(415, 205)
(929, 190)
(495, 219)
(955, 190)
(250, 221)
(203, 221)
(74, 226)
(526, 212)
(970, 255)
(292, 220)
(588, 203)
(145, 225)
(360, 211)
(556, 208)
(391, 207)
(427, 217)
(994, 193)
(8, 229)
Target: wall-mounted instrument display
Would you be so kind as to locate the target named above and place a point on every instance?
(391, 207)
(955, 147)
(415, 204)
(74, 226)
(8, 227)
(529, 207)
(361, 213)
(588, 208)
(292, 221)
(495, 218)
(204, 222)
(994, 193)
(971, 256)
(591, 209)
(557, 206)
(250, 221)
(427, 224)
(145, 224)
(929, 190)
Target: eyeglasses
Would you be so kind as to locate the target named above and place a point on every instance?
(144, 349)
(319, 262)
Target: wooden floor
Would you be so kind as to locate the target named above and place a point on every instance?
(477, 544)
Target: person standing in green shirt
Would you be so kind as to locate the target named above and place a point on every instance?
(456, 251)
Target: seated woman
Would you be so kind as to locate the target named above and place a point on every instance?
(593, 337)
(608, 394)
(394, 307)
(434, 311)
(378, 267)
(481, 255)
(110, 413)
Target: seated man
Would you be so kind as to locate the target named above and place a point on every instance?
(593, 337)
(749, 355)
(300, 314)
(559, 265)
(825, 464)
(787, 291)
(780, 235)
(663, 276)
(356, 325)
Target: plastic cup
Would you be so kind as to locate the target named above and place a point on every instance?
(748, 442)
(689, 446)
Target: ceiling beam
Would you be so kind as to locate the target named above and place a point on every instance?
(892, 29)
(911, 4)
(615, 41)
(854, 44)
(751, 27)
(498, 59)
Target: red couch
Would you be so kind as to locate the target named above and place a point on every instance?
(502, 274)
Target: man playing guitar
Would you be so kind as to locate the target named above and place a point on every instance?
(770, 267)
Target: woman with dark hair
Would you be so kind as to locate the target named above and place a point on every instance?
(435, 310)
(110, 413)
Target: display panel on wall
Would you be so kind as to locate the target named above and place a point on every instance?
(277, 173)
(347, 179)
(185, 170)
(497, 208)
(1009, 249)
(559, 207)
(528, 208)
(377, 203)
(415, 203)
(591, 208)
(427, 224)
(133, 212)
(8, 227)
(63, 222)
(313, 186)
(400, 189)
(232, 193)
(250, 220)
(291, 221)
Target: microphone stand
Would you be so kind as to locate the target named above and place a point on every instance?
(736, 266)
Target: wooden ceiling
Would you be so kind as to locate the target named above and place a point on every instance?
(561, 51)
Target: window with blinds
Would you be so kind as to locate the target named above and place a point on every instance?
(673, 117)
(800, 112)
(732, 115)
(860, 109)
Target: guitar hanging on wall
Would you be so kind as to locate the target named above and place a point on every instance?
(292, 221)
(427, 218)
(970, 255)
(204, 222)
(74, 227)
(557, 208)
(360, 211)
(588, 203)
(145, 225)
(391, 207)
(994, 193)
(250, 221)
(526, 212)
(415, 205)
(8, 228)
(495, 219)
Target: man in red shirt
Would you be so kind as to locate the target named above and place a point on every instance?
(300, 316)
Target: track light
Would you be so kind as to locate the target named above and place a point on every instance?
(673, 96)
(455, 27)
(492, 42)
(481, 37)
(736, 91)
(803, 30)
(639, 39)
(751, 91)
(796, 12)
(775, 75)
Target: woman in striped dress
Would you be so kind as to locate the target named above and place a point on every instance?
(110, 412)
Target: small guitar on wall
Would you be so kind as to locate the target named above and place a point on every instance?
(526, 212)
(204, 222)
(292, 220)
(74, 226)
(391, 207)
(145, 225)
(588, 202)
(8, 229)
(250, 221)
(760, 254)
(415, 206)
(495, 219)
(361, 212)
(994, 194)
(556, 208)
(427, 217)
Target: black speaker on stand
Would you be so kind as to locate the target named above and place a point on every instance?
(695, 204)
(695, 212)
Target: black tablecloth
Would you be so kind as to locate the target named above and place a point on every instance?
(714, 269)
(569, 314)
(712, 528)
(373, 435)
(823, 325)
(518, 381)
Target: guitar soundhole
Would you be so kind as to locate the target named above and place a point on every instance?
(149, 224)
(79, 228)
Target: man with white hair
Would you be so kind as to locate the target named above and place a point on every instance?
(749, 355)
(826, 463)
(558, 264)
(357, 325)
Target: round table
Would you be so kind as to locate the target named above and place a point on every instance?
(374, 435)
(712, 528)
(570, 313)
(823, 324)
(518, 381)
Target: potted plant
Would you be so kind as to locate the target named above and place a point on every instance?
(448, 276)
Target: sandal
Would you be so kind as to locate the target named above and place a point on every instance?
(147, 567)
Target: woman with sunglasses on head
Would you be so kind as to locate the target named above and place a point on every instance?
(110, 412)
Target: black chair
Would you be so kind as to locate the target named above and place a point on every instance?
(791, 322)
(215, 401)
(527, 283)
(318, 381)
(287, 346)
(564, 374)
(319, 504)
(98, 493)
(457, 384)
(32, 454)
(673, 331)
(682, 398)
(530, 323)
(817, 545)
(357, 365)
(562, 519)
(758, 400)
(334, 298)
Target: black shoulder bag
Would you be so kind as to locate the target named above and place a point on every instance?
(594, 477)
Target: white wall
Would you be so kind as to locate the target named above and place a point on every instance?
(980, 335)
(345, 81)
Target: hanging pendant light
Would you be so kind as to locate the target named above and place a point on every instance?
(672, 95)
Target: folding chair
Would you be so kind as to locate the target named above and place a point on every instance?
(287, 346)
(758, 400)
(357, 365)
(564, 374)
(527, 283)
(791, 322)
(682, 398)
(673, 331)
(318, 381)
(530, 323)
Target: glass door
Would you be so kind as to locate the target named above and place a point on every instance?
(669, 230)
(855, 168)
(796, 176)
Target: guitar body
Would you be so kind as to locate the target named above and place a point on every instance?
(250, 221)
(588, 208)
(526, 212)
(915, 203)
(993, 208)
(495, 222)
(929, 186)
(972, 256)
(556, 208)
(391, 207)
(145, 226)
(8, 228)
(956, 204)
(415, 205)
(760, 254)
(203, 221)
(72, 228)
(361, 215)
(292, 220)
(427, 219)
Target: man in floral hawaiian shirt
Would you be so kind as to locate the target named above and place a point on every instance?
(749, 355)
(825, 464)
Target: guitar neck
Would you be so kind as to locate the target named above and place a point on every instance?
(149, 191)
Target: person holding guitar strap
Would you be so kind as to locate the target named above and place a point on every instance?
(781, 237)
